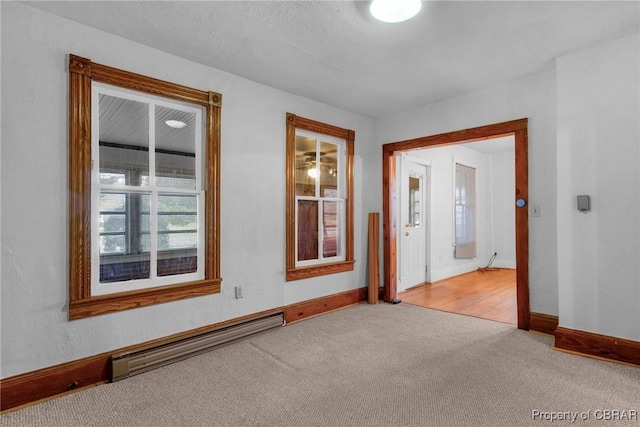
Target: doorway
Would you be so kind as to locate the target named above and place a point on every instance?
(395, 229)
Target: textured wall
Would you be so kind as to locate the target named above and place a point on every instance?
(35, 329)
(599, 155)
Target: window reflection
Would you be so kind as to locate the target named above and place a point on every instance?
(317, 178)
(124, 140)
(175, 148)
(307, 230)
(138, 225)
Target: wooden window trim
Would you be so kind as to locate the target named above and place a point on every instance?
(82, 72)
(294, 122)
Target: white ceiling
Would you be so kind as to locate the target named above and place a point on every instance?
(336, 53)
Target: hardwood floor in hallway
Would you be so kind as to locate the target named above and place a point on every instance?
(487, 294)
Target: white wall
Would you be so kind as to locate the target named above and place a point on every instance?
(599, 155)
(503, 217)
(35, 329)
(533, 97)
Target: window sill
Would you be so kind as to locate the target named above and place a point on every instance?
(319, 270)
(103, 304)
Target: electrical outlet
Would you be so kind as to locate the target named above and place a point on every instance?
(238, 290)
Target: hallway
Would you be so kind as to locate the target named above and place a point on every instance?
(489, 295)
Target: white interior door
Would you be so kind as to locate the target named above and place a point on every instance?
(412, 227)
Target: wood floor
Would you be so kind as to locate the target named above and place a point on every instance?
(490, 295)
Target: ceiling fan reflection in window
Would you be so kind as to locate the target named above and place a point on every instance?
(308, 161)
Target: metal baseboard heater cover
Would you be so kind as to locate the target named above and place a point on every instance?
(132, 363)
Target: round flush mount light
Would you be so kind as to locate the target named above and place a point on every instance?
(393, 11)
(177, 124)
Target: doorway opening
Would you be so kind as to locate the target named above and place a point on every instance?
(456, 248)
(402, 223)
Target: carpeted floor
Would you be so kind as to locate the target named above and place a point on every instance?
(382, 365)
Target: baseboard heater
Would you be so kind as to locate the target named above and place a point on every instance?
(124, 365)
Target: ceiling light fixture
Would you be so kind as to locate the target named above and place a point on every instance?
(393, 11)
(177, 124)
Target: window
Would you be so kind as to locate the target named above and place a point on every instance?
(415, 201)
(319, 198)
(144, 190)
(465, 211)
(145, 224)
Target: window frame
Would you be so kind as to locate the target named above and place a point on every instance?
(293, 270)
(82, 73)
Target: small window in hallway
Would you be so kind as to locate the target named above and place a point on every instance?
(465, 211)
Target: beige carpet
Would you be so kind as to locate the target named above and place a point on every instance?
(383, 365)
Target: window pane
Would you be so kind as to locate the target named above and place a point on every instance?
(187, 183)
(144, 223)
(175, 148)
(177, 234)
(415, 202)
(177, 241)
(177, 203)
(119, 268)
(121, 221)
(328, 169)
(109, 178)
(112, 223)
(144, 237)
(306, 166)
(177, 222)
(112, 244)
(330, 225)
(113, 202)
(145, 242)
(181, 262)
(124, 140)
(307, 222)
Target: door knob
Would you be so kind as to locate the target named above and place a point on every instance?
(406, 233)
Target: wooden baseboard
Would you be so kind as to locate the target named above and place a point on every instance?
(598, 346)
(302, 310)
(544, 323)
(55, 380)
(30, 387)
